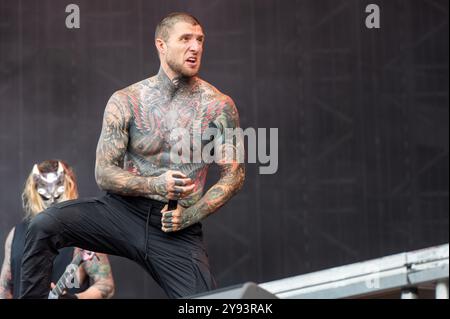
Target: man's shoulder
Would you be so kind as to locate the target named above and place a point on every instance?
(137, 88)
(131, 94)
(211, 93)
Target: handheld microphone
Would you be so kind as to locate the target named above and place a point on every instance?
(173, 204)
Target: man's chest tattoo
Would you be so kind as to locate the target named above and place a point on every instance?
(157, 118)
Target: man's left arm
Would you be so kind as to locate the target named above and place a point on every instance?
(230, 159)
(99, 272)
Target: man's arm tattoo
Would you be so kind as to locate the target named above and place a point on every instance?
(6, 282)
(232, 170)
(111, 148)
(99, 272)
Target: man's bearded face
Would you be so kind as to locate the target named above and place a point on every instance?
(185, 49)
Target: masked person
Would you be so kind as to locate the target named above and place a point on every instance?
(52, 182)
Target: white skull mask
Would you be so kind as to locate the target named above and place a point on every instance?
(50, 186)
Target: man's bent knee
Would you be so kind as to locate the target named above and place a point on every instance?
(44, 224)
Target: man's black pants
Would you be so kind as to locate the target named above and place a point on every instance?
(116, 225)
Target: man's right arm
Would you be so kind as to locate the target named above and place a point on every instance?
(6, 282)
(111, 148)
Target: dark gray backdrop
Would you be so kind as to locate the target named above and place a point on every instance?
(362, 117)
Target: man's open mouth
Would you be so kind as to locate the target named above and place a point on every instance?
(191, 60)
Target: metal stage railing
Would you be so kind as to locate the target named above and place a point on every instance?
(417, 274)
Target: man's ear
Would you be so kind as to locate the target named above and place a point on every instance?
(160, 46)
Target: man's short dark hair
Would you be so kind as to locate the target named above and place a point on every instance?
(163, 27)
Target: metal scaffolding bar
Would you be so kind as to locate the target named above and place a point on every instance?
(404, 272)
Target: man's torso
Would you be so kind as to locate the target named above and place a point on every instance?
(162, 116)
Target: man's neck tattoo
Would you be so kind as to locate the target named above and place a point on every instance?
(176, 84)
